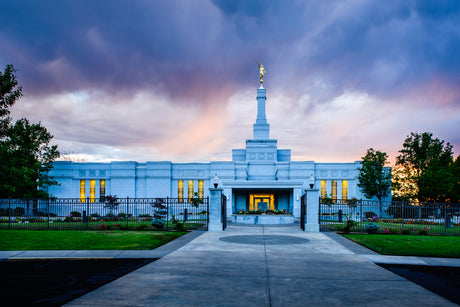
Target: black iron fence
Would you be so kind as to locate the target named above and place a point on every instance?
(390, 217)
(105, 214)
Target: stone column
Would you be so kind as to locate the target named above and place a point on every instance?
(215, 209)
(311, 220)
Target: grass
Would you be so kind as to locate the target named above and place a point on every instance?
(396, 227)
(410, 245)
(85, 240)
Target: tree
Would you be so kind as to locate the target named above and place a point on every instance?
(454, 193)
(25, 153)
(427, 166)
(374, 178)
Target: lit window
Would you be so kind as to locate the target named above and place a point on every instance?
(102, 190)
(92, 190)
(190, 189)
(201, 188)
(180, 190)
(344, 190)
(323, 188)
(82, 191)
(334, 190)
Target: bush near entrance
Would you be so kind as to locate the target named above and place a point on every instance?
(264, 212)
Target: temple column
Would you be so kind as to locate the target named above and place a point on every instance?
(311, 219)
(215, 209)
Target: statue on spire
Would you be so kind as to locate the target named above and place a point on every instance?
(261, 72)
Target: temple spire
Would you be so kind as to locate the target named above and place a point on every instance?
(261, 127)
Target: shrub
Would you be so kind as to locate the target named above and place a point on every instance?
(372, 228)
(95, 215)
(145, 215)
(122, 214)
(196, 200)
(75, 214)
(103, 227)
(158, 224)
(405, 232)
(111, 202)
(350, 223)
(178, 225)
(68, 219)
(141, 227)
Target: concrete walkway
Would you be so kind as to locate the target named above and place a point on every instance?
(262, 266)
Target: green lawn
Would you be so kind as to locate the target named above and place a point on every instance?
(410, 245)
(86, 240)
(413, 228)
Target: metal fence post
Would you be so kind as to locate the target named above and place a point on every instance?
(127, 212)
(167, 213)
(88, 216)
(48, 210)
(361, 216)
(9, 212)
(207, 213)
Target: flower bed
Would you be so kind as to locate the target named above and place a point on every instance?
(264, 212)
(263, 219)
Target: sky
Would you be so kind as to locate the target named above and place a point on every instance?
(177, 80)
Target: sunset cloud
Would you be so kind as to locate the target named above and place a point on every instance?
(176, 80)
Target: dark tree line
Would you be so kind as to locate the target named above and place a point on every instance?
(26, 155)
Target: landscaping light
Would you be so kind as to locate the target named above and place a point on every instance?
(216, 181)
(312, 181)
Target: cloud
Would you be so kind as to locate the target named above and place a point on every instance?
(177, 79)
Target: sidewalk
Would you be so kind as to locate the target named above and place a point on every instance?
(263, 266)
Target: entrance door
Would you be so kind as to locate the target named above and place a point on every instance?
(261, 201)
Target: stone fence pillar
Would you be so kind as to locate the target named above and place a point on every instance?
(311, 220)
(215, 209)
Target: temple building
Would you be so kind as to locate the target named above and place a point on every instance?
(260, 176)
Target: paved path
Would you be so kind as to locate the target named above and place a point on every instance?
(262, 266)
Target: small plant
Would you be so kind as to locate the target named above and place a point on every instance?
(68, 219)
(326, 200)
(178, 225)
(158, 224)
(159, 212)
(75, 214)
(349, 224)
(141, 227)
(196, 201)
(372, 228)
(405, 232)
(103, 227)
(423, 232)
(111, 203)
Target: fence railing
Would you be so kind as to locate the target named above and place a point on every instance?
(391, 217)
(104, 214)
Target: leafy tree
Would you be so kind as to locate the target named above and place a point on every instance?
(195, 201)
(428, 167)
(374, 178)
(111, 202)
(454, 193)
(10, 92)
(25, 153)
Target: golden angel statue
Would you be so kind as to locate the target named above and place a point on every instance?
(261, 72)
